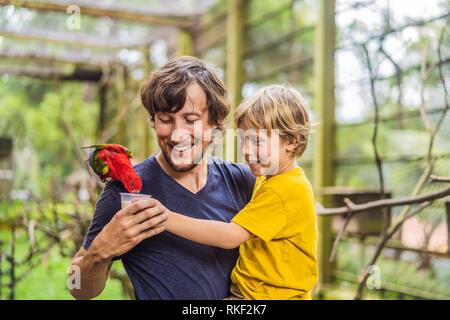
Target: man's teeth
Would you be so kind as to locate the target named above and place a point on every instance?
(181, 149)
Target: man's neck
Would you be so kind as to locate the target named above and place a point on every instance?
(194, 180)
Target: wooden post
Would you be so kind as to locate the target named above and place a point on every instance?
(185, 45)
(146, 135)
(6, 168)
(324, 144)
(236, 43)
(1, 270)
(447, 206)
(120, 85)
(12, 262)
(102, 96)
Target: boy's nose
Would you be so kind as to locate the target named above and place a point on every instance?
(250, 155)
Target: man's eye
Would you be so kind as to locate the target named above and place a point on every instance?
(191, 121)
(165, 120)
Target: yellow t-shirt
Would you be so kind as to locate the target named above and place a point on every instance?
(280, 263)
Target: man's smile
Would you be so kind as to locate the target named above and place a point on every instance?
(182, 148)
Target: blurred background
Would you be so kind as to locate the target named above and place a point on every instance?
(374, 72)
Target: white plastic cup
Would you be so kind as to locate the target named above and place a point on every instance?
(125, 198)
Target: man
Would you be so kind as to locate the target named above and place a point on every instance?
(186, 102)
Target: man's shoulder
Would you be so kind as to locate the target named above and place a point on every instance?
(145, 165)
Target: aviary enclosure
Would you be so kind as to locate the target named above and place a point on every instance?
(375, 73)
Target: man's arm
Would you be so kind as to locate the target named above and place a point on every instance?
(93, 273)
(214, 233)
(127, 228)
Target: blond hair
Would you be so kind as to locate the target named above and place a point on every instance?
(279, 107)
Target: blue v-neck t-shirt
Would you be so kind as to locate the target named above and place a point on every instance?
(167, 266)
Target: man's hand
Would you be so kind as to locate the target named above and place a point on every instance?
(129, 226)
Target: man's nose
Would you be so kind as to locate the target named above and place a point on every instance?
(180, 132)
(179, 135)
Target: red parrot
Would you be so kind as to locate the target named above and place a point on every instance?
(113, 161)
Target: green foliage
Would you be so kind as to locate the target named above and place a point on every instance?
(48, 123)
(48, 279)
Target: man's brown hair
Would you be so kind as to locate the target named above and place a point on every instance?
(166, 89)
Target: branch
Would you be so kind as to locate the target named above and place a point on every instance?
(425, 73)
(398, 76)
(360, 208)
(378, 161)
(404, 215)
(434, 178)
(364, 276)
(341, 232)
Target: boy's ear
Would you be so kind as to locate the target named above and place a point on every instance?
(292, 144)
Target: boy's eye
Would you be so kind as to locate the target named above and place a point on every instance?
(255, 141)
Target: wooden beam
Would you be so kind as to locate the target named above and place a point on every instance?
(236, 46)
(113, 11)
(75, 39)
(69, 57)
(324, 152)
(53, 73)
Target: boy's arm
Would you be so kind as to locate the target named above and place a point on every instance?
(215, 233)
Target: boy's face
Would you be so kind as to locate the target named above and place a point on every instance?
(181, 135)
(266, 154)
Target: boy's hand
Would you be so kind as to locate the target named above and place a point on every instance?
(138, 221)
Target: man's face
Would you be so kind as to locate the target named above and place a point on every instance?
(181, 135)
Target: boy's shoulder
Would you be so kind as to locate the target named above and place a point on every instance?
(291, 186)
